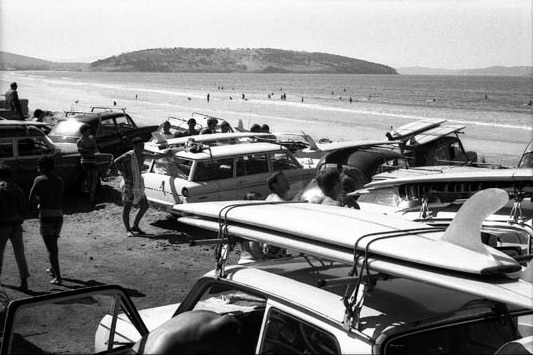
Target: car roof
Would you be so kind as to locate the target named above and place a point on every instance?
(230, 150)
(89, 116)
(393, 301)
(11, 131)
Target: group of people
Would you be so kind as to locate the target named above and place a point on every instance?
(191, 130)
(47, 191)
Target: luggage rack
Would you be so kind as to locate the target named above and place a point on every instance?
(96, 110)
(353, 301)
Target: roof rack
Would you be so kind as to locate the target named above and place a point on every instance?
(108, 109)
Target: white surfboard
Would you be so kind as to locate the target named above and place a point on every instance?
(381, 235)
(503, 289)
(416, 127)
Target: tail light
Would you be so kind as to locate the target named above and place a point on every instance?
(185, 192)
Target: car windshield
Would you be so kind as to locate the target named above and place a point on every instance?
(69, 128)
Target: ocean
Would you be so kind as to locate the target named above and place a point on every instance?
(495, 110)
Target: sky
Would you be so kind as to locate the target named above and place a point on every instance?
(448, 34)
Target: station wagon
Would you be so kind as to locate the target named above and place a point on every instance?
(218, 173)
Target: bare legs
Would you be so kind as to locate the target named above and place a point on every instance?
(143, 207)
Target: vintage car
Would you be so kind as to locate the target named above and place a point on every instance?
(352, 302)
(178, 125)
(217, 173)
(434, 194)
(113, 129)
(23, 143)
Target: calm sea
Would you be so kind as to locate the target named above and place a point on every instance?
(493, 101)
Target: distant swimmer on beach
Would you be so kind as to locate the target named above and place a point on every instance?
(302, 99)
(486, 97)
(269, 96)
(135, 97)
(530, 103)
(351, 99)
(208, 98)
(188, 98)
(231, 98)
(243, 96)
(114, 103)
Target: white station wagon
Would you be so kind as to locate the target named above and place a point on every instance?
(219, 173)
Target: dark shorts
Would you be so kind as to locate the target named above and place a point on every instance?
(51, 227)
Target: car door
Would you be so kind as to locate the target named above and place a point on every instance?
(7, 157)
(66, 322)
(216, 181)
(127, 130)
(30, 150)
(252, 171)
(108, 137)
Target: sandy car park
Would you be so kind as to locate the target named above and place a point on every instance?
(93, 250)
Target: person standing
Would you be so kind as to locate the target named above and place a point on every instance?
(12, 100)
(129, 164)
(88, 149)
(47, 191)
(12, 212)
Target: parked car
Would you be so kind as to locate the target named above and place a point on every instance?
(218, 173)
(297, 305)
(23, 143)
(113, 129)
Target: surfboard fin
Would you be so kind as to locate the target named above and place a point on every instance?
(312, 144)
(160, 138)
(465, 229)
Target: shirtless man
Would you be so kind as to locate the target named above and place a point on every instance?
(129, 164)
(279, 185)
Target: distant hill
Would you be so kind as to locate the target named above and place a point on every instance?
(261, 60)
(523, 70)
(10, 61)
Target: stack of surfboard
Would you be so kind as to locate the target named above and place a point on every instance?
(454, 259)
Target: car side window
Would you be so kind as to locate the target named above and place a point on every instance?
(172, 166)
(286, 334)
(214, 170)
(6, 148)
(124, 123)
(282, 161)
(32, 146)
(107, 127)
(251, 164)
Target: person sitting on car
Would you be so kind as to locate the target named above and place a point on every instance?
(279, 185)
(191, 131)
(225, 127)
(211, 126)
(166, 130)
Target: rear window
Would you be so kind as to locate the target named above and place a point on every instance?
(172, 166)
(67, 128)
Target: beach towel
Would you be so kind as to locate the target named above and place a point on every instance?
(138, 181)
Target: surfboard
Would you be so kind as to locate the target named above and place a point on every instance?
(473, 175)
(386, 236)
(503, 289)
(433, 134)
(413, 128)
(202, 138)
